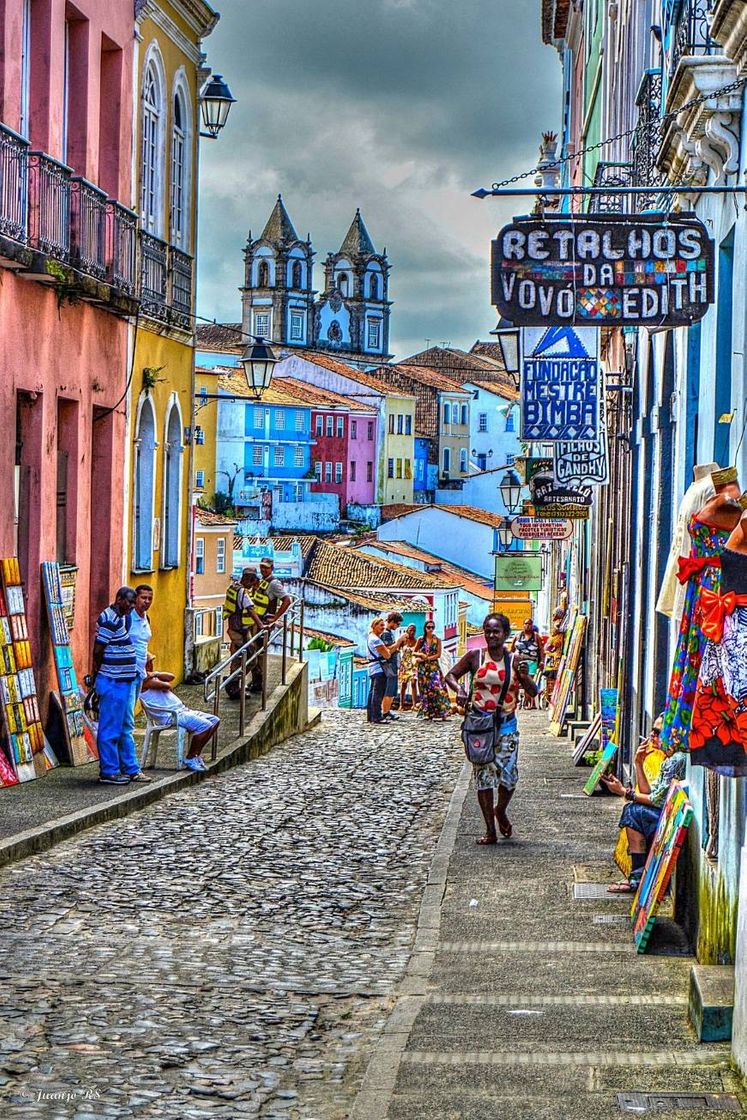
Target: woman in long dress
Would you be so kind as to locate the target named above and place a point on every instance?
(434, 702)
(408, 669)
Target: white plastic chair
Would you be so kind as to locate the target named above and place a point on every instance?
(153, 731)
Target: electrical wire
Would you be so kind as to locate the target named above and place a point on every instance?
(108, 411)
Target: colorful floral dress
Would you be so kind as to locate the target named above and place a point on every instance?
(407, 665)
(718, 739)
(434, 702)
(701, 570)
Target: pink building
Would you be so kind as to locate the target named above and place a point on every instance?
(344, 434)
(67, 288)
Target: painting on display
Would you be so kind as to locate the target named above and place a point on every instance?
(606, 758)
(567, 675)
(72, 737)
(587, 739)
(608, 701)
(611, 269)
(662, 858)
(27, 752)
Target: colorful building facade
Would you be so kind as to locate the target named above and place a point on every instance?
(168, 81)
(67, 290)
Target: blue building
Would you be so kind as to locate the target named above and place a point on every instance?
(420, 467)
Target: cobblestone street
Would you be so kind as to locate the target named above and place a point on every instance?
(232, 951)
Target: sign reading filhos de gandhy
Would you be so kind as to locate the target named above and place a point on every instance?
(603, 269)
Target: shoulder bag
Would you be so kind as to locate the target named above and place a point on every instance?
(480, 729)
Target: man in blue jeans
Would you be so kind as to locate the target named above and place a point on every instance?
(115, 678)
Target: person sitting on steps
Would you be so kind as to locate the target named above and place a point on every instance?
(640, 816)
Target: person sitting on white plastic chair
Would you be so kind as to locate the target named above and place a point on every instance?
(164, 709)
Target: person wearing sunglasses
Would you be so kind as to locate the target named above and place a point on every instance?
(434, 699)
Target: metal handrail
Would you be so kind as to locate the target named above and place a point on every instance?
(254, 650)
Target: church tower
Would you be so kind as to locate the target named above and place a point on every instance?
(353, 313)
(277, 297)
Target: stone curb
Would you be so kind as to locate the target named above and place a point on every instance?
(53, 832)
(375, 1094)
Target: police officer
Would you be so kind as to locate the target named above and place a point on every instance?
(271, 601)
(242, 617)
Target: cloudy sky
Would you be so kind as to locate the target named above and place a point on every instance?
(401, 107)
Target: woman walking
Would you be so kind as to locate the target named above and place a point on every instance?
(435, 703)
(408, 670)
(529, 649)
(492, 692)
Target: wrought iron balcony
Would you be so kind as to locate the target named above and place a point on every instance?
(49, 206)
(122, 248)
(180, 273)
(153, 276)
(14, 174)
(646, 140)
(690, 32)
(611, 175)
(88, 247)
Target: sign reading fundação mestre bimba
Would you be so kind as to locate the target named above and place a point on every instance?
(560, 384)
(643, 269)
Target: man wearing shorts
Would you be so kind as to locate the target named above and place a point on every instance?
(160, 703)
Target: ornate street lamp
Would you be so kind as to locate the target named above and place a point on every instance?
(216, 100)
(508, 340)
(510, 489)
(505, 536)
(259, 362)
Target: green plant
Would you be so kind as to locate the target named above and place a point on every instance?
(151, 378)
(220, 503)
(320, 644)
(67, 293)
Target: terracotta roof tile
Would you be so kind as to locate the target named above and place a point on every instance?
(379, 602)
(315, 395)
(372, 381)
(225, 338)
(429, 376)
(335, 639)
(350, 569)
(471, 513)
(388, 513)
(209, 519)
(235, 384)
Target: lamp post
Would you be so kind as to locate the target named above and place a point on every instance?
(259, 363)
(510, 489)
(509, 340)
(216, 100)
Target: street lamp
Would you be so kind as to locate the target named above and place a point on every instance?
(510, 489)
(508, 340)
(216, 100)
(259, 362)
(505, 536)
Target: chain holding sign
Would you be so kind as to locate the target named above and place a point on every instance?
(644, 270)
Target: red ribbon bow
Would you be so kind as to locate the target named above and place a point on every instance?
(689, 566)
(714, 609)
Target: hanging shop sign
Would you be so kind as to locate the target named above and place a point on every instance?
(546, 492)
(541, 529)
(560, 384)
(570, 511)
(583, 461)
(521, 572)
(529, 466)
(640, 270)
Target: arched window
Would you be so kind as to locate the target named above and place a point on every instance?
(180, 152)
(172, 490)
(151, 152)
(342, 283)
(447, 413)
(455, 414)
(374, 286)
(510, 420)
(297, 275)
(447, 460)
(465, 415)
(145, 480)
(263, 275)
(463, 460)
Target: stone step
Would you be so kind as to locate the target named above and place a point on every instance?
(711, 1001)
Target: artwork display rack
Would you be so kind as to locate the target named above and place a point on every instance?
(567, 669)
(28, 754)
(662, 858)
(78, 744)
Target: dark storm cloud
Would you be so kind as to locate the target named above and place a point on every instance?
(401, 107)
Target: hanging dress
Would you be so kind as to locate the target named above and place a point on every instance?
(718, 739)
(700, 570)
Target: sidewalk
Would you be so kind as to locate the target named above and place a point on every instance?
(523, 1003)
(36, 814)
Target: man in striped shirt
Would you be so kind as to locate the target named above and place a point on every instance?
(115, 678)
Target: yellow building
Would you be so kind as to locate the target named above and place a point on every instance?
(167, 84)
(397, 467)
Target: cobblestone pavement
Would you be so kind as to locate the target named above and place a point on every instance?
(231, 951)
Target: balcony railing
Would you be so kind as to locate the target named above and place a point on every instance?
(181, 288)
(14, 173)
(88, 248)
(646, 140)
(122, 249)
(691, 32)
(49, 206)
(611, 175)
(153, 276)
